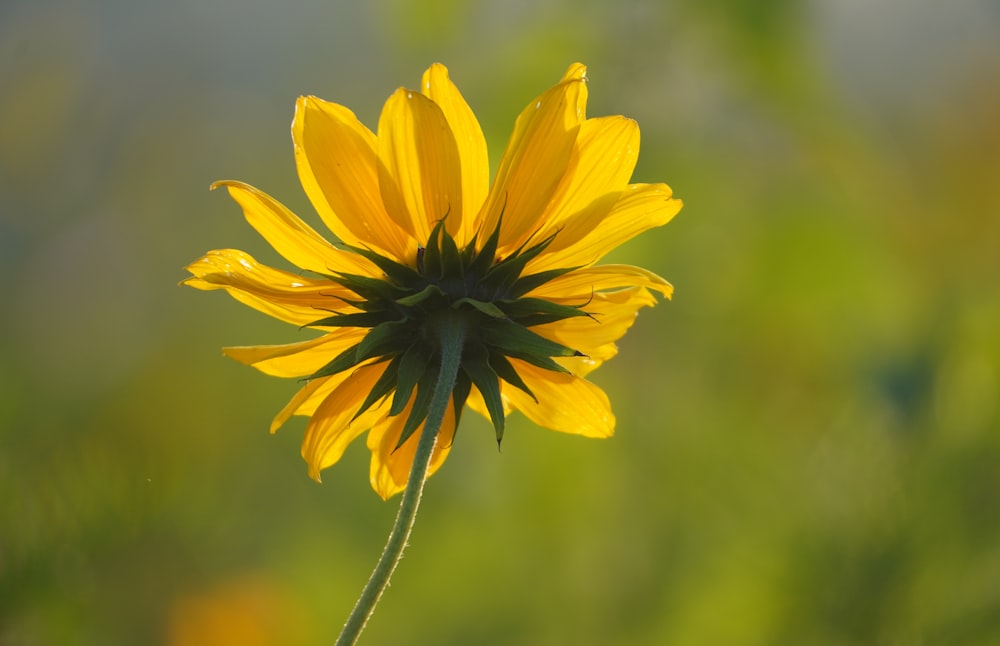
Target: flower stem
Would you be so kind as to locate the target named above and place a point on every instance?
(452, 338)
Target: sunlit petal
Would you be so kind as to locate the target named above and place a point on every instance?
(296, 359)
(338, 167)
(308, 398)
(580, 284)
(475, 163)
(390, 466)
(600, 166)
(639, 208)
(333, 427)
(419, 168)
(289, 235)
(285, 296)
(566, 402)
(611, 315)
(536, 159)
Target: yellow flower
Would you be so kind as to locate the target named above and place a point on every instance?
(423, 235)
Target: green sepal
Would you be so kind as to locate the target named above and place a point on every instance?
(385, 338)
(459, 395)
(482, 260)
(504, 274)
(532, 320)
(355, 319)
(419, 297)
(432, 253)
(421, 404)
(525, 307)
(402, 275)
(369, 288)
(346, 359)
(514, 339)
(362, 305)
(505, 370)
(468, 252)
(542, 362)
(488, 383)
(525, 284)
(489, 309)
(451, 258)
(412, 366)
(386, 382)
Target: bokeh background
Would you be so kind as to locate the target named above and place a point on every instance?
(807, 447)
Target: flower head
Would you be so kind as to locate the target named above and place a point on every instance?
(423, 237)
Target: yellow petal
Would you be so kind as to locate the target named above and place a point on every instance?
(338, 167)
(611, 315)
(583, 366)
(285, 296)
(475, 163)
(297, 359)
(289, 235)
(599, 169)
(419, 169)
(308, 398)
(331, 427)
(566, 403)
(536, 159)
(575, 71)
(580, 284)
(390, 467)
(640, 207)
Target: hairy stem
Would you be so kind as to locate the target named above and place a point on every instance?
(451, 338)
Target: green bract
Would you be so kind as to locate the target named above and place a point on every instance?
(484, 293)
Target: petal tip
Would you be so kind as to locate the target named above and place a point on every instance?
(384, 492)
(435, 74)
(437, 68)
(576, 72)
(228, 184)
(302, 104)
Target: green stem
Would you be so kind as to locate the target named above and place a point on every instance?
(452, 339)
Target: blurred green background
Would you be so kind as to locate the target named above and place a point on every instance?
(807, 447)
